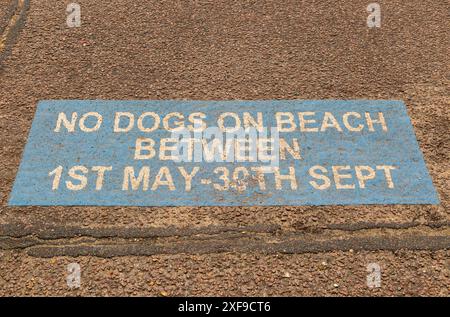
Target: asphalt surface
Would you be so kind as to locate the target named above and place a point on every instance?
(226, 50)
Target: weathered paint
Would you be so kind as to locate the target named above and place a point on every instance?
(380, 163)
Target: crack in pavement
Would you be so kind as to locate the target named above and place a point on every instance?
(244, 245)
(8, 11)
(14, 21)
(386, 225)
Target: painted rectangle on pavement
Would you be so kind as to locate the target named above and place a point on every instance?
(222, 153)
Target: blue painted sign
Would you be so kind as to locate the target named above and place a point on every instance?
(222, 153)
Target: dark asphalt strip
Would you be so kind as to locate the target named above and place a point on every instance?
(45, 231)
(61, 232)
(286, 246)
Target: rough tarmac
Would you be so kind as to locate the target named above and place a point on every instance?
(226, 50)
